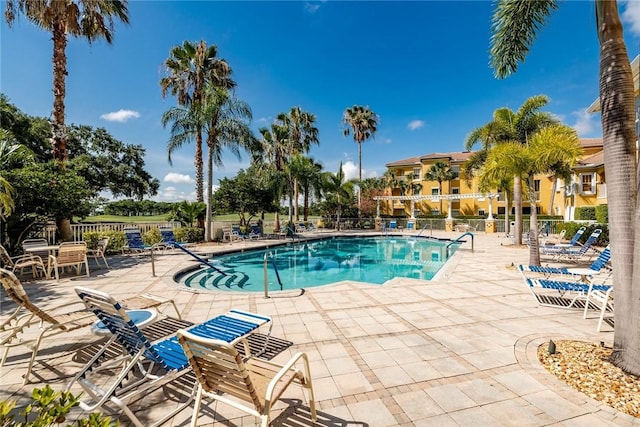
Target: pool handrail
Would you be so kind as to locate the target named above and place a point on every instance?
(424, 228)
(200, 259)
(468, 233)
(268, 254)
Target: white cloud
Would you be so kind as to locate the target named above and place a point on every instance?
(178, 178)
(631, 15)
(313, 6)
(387, 141)
(586, 123)
(350, 170)
(172, 194)
(262, 120)
(120, 116)
(415, 124)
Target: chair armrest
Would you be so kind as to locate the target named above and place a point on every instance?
(286, 368)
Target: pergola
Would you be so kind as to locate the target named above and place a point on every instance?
(436, 198)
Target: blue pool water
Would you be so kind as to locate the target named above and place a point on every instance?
(320, 262)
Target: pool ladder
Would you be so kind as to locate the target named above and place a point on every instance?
(268, 255)
(468, 233)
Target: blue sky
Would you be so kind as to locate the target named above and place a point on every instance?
(422, 66)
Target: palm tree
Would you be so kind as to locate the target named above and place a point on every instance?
(338, 189)
(224, 119)
(308, 175)
(506, 126)
(90, 19)
(271, 154)
(515, 26)
(8, 149)
(190, 68)
(363, 124)
(302, 132)
(440, 171)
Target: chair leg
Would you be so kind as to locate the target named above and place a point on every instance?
(196, 407)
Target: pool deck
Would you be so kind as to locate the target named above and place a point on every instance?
(459, 350)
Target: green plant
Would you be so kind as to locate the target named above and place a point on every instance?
(117, 239)
(189, 234)
(587, 213)
(602, 214)
(48, 407)
(152, 237)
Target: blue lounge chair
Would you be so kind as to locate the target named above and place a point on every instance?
(169, 239)
(134, 241)
(573, 242)
(573, 253)
(595, 268)
(164, 360)
(554, 293)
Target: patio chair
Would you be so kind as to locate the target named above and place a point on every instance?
(22, 262)
(169, 238)
(584, 274)
(300, 227)
(248, 384)
(145, 366)
(602, 301)
(53, 321)
(100, 251)
(70, 254)
(256, 232)
(135, 243)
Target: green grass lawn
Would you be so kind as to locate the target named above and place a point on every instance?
(163, 218)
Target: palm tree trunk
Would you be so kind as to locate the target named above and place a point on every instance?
(359, 178)
(506, 213)
(517, 201)
(534, 252)
(59, 91)
(295, 198)
(208, 223)
(440, 194)
(554, 186)
(306, 205)
(198, 167)
(618, 134)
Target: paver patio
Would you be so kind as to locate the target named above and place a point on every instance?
(458, 350)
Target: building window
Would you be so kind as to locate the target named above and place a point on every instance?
(455, 212)
(435, 191)
(481, 212)
(435, 211)
(416, 173)
(416, 191)
(456, 170)
(536, 189)
(455, 190)
(587, 183)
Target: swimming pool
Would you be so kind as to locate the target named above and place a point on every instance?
(320, 262)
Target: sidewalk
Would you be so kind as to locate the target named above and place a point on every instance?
(459, 350)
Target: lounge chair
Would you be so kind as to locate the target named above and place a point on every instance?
(135, 243)
(256, 232)
(53, 321)
(300, 227)
(584, 274)
(249, 384)
(164, 360)
(560, 294)
(572, 253)
(22, 262)
(70, 254)
(169, 239)
(573, 242)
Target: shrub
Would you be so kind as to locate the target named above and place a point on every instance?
(48, 407)
(602, 214)
(572, 227)
(189, 234)
(152, 237)
(586, 213)
(116, 239)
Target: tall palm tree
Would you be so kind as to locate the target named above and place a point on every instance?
(271, 154)
(302, 132)
(363, 124)
(507, 126)
(90, 19)
(190, 68)
(440, 171)
(225, 121)
(515, 27)
(8, 149)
